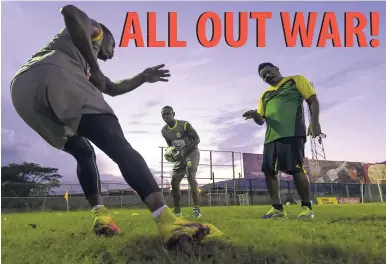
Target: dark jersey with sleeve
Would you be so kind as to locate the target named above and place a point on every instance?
(177, 134)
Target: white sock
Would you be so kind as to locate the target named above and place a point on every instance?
(96, 207)
(158, 212)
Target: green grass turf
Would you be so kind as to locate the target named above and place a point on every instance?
(338, 234)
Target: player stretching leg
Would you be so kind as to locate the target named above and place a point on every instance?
(181, 135)
(281, 107)
(53, 94)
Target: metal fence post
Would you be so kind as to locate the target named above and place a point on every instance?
(234, 178)
(250, 191)
(361, 189)
(368, 187)
(241, 165)
(211, 169)
(210, 164)
(213, 183)
(380, 191)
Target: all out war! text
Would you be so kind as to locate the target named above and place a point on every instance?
(301, 30)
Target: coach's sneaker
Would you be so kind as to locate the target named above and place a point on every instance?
(176, 230)
(305, 213)
(103, 223)
(274, 213)
(196, 212)
(177, 211)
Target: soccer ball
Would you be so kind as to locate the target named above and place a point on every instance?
(171, 154)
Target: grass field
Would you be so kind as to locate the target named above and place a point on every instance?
(339, 234)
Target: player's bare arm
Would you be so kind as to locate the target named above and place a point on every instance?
(313, 104)
(258, 119)
(150, 75)
(82, 29)
(123, 86)
(192, 134)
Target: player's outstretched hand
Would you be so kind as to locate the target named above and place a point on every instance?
(156, 74)
(249, 114)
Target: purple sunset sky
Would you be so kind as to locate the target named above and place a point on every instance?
(211, 88)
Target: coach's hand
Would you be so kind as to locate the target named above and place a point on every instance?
(249, 114)
(156, 74)
(98, 79)
(314, 130)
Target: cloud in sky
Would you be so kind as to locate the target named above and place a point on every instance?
(12, 146)
(210, 88)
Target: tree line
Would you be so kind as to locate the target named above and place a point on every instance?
(28, 179)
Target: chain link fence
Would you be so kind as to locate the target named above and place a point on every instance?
(221, 193)
(219, 177)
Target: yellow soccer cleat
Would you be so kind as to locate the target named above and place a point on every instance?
(274, 213)
(103, 223)
(305, 214)
(175, 230)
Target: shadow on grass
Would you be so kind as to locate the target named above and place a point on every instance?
(146, 251)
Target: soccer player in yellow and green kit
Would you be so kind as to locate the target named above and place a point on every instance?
(183, 136)
(281, 108)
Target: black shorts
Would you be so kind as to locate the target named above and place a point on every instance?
(285, 155)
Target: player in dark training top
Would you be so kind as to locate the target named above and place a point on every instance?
(59, 94)
(181, 135)
(281, 108)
